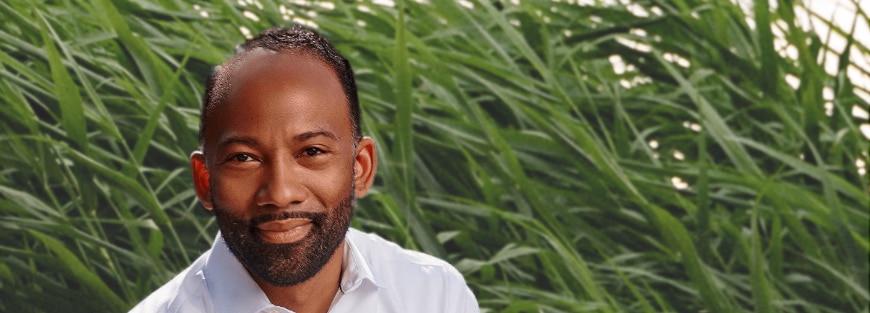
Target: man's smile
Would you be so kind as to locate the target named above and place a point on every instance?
(284, 231)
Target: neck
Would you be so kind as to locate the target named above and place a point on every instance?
(314, 295)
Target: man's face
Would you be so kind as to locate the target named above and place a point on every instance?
(280, 165)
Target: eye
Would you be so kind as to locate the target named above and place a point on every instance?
(241, 157)
(312, 151)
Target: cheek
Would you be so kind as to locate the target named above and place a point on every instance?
(332, 185)
(232, 191)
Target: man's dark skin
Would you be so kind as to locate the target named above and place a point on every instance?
(280, 149)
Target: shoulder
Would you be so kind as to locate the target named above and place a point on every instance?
(388, 257)
(186, 292)
(415, 278)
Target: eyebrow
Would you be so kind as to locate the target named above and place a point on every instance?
(250, 141)
(308, 135)
(229, 140)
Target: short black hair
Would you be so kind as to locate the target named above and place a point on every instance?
(296, 39)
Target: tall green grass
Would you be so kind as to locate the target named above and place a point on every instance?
(509, 145)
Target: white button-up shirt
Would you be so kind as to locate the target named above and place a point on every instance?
(377, 276)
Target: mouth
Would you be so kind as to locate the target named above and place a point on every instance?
(284, 231)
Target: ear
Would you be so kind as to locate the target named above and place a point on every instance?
(201, 179)
(365, 165)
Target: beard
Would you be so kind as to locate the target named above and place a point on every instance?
(286, 264)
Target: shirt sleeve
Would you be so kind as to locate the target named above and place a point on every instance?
(467, 302)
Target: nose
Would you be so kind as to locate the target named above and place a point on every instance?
(281, 187)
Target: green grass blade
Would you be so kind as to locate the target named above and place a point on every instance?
(66, 91)
(80, 273)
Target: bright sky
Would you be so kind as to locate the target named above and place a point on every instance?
(843, 14)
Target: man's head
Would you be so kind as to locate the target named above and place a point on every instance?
(296, 39)
(282, 158)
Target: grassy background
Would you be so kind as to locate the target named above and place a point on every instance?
(693, 178)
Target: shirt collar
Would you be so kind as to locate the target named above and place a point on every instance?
(231, 287)
(233, 290)
(355, 268)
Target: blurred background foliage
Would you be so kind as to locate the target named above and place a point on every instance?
(631, 156)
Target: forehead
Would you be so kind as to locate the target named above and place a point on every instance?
(278, 68)
(288, 90)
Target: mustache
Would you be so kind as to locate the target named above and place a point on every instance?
(315, 217)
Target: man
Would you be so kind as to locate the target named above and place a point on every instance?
(282, 159)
